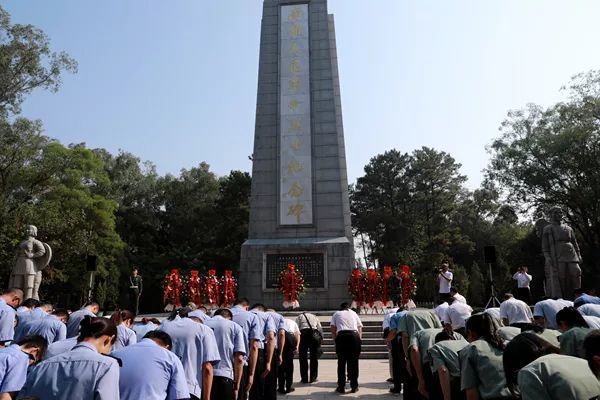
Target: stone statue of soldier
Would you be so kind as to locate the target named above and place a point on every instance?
(562, 257)
(32, 257)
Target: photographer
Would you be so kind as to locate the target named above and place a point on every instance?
(523, 279)
(445, 281)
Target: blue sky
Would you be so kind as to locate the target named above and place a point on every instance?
(175, 82)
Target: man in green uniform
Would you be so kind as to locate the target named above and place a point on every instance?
(445, 363)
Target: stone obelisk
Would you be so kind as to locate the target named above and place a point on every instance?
(299, 210)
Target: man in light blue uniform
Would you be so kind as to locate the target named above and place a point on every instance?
(150, 371)
(51, 327)
(399, 369)
(196, 346)
(201, 313)
(60, 347)
(26, 317)
(81, 374)
(91, 308)
(232, 348)
(253, 331)
(8, 301)
(265, 380)
(14, 361)
(544, 312)
(271, 380)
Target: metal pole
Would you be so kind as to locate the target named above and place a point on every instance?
(91, 286)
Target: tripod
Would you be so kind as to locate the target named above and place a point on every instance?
(493, 299)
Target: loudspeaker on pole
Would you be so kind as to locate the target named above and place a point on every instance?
(489, 254)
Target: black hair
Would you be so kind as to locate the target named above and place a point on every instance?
(242, 301)
(591, 345)
(344, 306)
(484, 327)
(30, 303)
(35, 341)
(454, 289)
(95, 327)
(578, 291)
(61, 312)
(179, 312)
(148, 320)
(520, 351)
(443, 335)
(203, 309)
(224, 312)
(120, 316)
(571, 317)
(258, 306)
(507, 296)
(160, 336)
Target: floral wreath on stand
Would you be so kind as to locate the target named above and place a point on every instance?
(195, 287)
(228, 288)
(387, 274)
(212, 289)
(291, 284)
(356, 287)
(408, 285)
(172, 285)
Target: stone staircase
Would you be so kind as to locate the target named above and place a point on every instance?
(373, 345)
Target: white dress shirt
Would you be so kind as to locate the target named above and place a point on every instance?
(440, 311)
(457, 314)
(445, 283)
(522, 279)
(346, 320)
(515, 311)
(460, 298)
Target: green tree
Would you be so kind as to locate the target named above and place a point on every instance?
(547, 157)
(26, 63)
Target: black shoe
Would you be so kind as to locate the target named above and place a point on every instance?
(303, 381)
(281, 391)
(394, 390)
(390, 380)
(314, 380)
(354, 390)
(290, 390)
(340, 390)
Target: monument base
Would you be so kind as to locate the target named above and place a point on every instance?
(325, 263)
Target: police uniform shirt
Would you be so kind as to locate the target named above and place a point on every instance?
(440, 310)
(25, 318)
(482, 369)
(592, 310)
(395, 320)
(415, 320)
(547, 309)
(13, 368)
(550, 336)
(593, 322)
(386, 318)
(268, 326)
(346, 320)
(586, 299)
(289, 325)
(7, 321)
(50, 328)
(150, 372)
(141, 329)
(80, 374)
(195, 344)
(423, 340)
(457, 314)
(251, 325)
(60, 347)
(508, 333)
(558, 377)
(201, 315)
(279, 322)
(230, 340)
(460, 298)
(494, 312)
(515, 311)
(571, 341)
(75, 319)
(445, 354)
(125, 337)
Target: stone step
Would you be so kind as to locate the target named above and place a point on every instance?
(363, 356)
(372, 335)
(366, 348)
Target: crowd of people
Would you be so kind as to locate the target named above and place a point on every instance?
(550, 351)
(238, 353)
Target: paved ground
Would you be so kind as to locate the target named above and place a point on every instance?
(372, 385)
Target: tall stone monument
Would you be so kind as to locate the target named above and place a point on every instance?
(299, 210)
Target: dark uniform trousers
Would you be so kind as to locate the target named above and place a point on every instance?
(222, 388)
(257, 391)
(308, 343)
(347, 348)
(271, 379)
(399, 369)
(524, 294)
(243, 384)
(285, 374)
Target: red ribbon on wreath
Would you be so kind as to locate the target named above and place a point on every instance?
(355, 286)
(228, 285)
(387, 274)
(195, 288)
(408, 284)
(172, 289)
(373, 290)
(291, 285)
(213, 295)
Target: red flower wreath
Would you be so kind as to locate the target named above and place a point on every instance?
(228, 288)
(291, 284)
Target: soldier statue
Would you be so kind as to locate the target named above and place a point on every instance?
(562, 257)
(32, 257)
